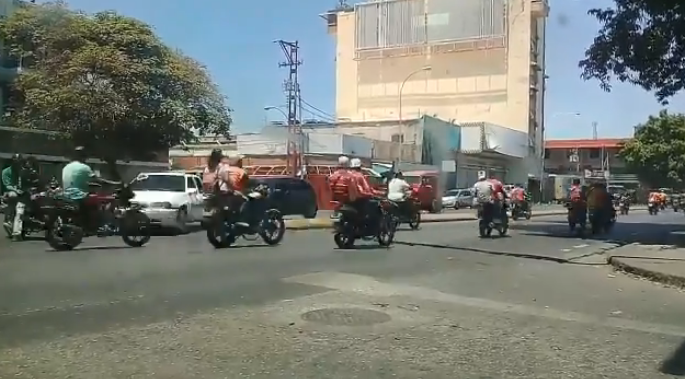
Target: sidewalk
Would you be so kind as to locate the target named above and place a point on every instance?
(660, 263)
(327, 223)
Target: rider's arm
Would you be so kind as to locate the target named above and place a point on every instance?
(98, 179)
(363, 186)
(7, 181)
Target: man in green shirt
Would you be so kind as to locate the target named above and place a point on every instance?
(11, 182)
(77, 177)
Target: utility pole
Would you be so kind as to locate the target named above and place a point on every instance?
(291, 87)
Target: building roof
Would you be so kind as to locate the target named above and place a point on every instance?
(584, 143)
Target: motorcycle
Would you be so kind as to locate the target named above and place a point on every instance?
(353, 224)
(223, 228)
(653, 208)
(577, 218)
(599, 222)
(623, 207)
(488, 221)
(67, 226)
(34, 218)
(409, 211)
(517, 212)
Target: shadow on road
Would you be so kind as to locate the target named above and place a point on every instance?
(675, 364)
(646, 233)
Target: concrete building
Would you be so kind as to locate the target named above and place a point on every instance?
(471, 61)
(595, 158)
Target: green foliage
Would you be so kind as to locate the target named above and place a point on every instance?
(657, 153)
(107, 82)
(641, 42)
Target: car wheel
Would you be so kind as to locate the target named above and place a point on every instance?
(182, 221)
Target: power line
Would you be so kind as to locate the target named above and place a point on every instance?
(317, 109)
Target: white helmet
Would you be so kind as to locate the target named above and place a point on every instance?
(482, 176)
(343, 161)
(355, 163)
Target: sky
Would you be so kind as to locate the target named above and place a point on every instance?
(234, 40)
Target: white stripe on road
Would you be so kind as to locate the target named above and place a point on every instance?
(365, 285)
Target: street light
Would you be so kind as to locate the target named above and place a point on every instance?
(269, 108)
(422, 69)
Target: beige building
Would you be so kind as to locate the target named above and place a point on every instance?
(466, 61)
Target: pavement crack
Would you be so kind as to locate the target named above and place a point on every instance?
(489, 252)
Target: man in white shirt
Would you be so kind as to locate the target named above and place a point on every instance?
(398, 188)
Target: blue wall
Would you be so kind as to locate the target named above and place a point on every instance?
(440, 141)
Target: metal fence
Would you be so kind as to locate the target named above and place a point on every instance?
(399, 23)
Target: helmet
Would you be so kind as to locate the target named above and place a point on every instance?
(343, 161)
(355, 163)
(17, 158)
(482, 176)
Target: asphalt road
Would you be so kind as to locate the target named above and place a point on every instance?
(441, 303)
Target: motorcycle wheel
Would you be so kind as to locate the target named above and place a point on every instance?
(514, 216)
(503, 229)
(386, 231)
(217, 233)
(529, 214)
(61, 236)
(272, 227)
(415, 221)
(343, 240)
(572, 226)
(135, 228)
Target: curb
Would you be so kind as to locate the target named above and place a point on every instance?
(328, 223)
(656, 276)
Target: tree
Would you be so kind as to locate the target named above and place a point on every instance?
(107, 82)
(657, 153)
(640, 42)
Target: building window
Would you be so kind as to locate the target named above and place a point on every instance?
(547, 153)
(594, 153)
(397, 138)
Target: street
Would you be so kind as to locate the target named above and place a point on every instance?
(440, 303)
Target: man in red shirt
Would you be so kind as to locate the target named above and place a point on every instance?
(365, 193)
(341, 182)
(518, 197)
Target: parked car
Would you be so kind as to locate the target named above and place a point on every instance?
(458, 198)
(291, 196)
(171, 199)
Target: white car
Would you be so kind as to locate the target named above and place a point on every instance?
(171, 199)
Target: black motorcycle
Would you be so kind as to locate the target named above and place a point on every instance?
(624, 206)
(224, 226)
(408, 212)
(117, 214)
(353, 224)
(577, 218)
(653, 208)
(492, 218)
(519, 211)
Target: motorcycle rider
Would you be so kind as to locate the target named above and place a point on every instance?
(399, 191)
(518, 197)
(215, 178)
(490, 195)
(238, 181)
(654, 198)
(341, 182)
(77, 177)
(365, 201)
(12, 183)
(577, 200)
(599, 200)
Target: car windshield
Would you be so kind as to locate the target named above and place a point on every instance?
(170, 183)
(452, 193)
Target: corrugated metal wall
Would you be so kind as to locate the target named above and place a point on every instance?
(396, 23)
(392, 23)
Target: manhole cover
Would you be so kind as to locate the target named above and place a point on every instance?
(346, 317)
